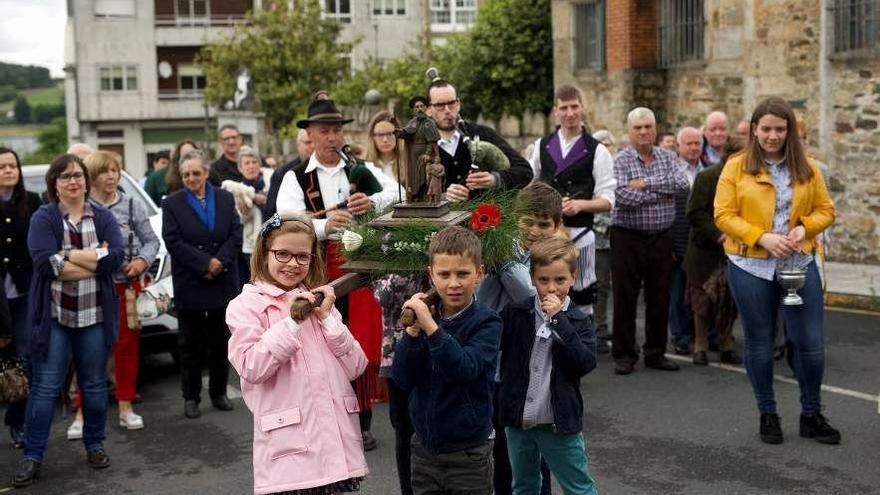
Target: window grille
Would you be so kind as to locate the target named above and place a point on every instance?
(681, 31)
(588, 28)
(854, 24)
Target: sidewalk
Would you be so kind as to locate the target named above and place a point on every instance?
(852, 285)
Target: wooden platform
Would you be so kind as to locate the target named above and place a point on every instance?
(388, 221)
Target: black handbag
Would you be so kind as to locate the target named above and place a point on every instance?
(13, 381)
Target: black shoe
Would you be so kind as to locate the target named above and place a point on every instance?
(660, 363)
(370, 442)
(222, 403)
(98, 459)
(681, 350)
(28, 471)
(817, 427)
(700, 358)
(771, 430)
(191, 409)
(16, 436)
(602, 345)
(731, 357)
(623, 367)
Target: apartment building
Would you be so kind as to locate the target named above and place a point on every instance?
(131, 84)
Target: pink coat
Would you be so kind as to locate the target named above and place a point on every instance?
(295, 380)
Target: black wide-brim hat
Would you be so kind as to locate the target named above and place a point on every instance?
(414, 99)
(323, 112)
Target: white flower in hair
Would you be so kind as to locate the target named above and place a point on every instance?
(351, 241)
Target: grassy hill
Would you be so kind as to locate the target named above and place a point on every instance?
(38, 96)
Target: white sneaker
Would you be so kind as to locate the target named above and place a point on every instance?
(75, 430)
(131, 421)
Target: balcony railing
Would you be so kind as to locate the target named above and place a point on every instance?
(199, 21)
(181, 94)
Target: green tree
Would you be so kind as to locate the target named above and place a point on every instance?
(52, 141)
(502, 66)
(290, 51)
(22, 110)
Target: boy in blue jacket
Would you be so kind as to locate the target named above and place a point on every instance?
(447, 362)
(546, 347)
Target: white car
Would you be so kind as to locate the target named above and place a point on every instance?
(158, 332)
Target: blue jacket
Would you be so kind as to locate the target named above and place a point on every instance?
(450, 379)
(45, 238)
(573, 356)
(191, 246)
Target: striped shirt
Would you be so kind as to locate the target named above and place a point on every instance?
(538, 409)
(652, 209)
(76, 304)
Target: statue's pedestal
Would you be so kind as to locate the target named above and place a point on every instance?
(420, 210)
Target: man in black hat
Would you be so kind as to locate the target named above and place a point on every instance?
(321, 182)
(444, 106)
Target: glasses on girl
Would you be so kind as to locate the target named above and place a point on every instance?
(284, 256)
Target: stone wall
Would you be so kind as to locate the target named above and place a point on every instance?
(753, 49)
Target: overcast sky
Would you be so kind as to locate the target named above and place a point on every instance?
(32, 33)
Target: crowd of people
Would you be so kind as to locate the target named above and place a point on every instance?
(484, 388)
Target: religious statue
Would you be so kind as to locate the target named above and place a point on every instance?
(435, 173)
(420, 135)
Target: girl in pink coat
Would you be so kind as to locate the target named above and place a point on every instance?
(295, 376)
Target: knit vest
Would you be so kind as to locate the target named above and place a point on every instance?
(576, 180)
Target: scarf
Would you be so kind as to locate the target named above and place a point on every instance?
(205, 213)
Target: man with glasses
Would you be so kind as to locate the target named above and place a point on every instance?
(444, 107)
(226, 167)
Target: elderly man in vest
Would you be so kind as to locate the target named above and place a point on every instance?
(582, 170)
(319, 184)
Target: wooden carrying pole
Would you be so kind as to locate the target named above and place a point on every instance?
(301, 309)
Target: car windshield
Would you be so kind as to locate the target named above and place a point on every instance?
(35, 181)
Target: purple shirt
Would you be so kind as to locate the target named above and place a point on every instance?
(652, 209)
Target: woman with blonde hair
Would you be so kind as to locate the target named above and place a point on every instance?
(771, 204)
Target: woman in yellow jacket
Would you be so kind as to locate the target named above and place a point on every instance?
(771, 203)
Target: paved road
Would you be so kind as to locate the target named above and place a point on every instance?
(691, 432)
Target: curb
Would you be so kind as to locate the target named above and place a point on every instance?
(853, 301)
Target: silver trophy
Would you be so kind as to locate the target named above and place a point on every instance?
(791, 280)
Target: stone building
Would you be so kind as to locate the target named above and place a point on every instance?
(685, 58)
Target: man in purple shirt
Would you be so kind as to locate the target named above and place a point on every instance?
(648, 178)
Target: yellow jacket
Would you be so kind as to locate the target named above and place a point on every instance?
(745, 203)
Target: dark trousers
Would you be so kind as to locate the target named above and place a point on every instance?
(465, 472)
(203, 339)
(398, 409)
(18, 312)
(603, 289)
(638, 257)
(681, 319)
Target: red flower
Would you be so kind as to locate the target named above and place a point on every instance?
(485, 216)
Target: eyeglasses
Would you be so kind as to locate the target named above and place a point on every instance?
(71, 177)
(284, 256)
(382, 135)
(444, 104)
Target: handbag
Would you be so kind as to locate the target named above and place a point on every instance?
(13, 381)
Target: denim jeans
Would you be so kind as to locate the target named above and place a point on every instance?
(90, 360)
(565, 454)
(758, 301)
(681, 320)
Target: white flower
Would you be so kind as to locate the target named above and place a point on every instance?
(351, 241)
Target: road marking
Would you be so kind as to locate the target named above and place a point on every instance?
(784, 379)
(839, 309)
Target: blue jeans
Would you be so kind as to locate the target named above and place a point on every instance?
(681, 320)
(758, 301)
(565, 454)
(90, 360)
